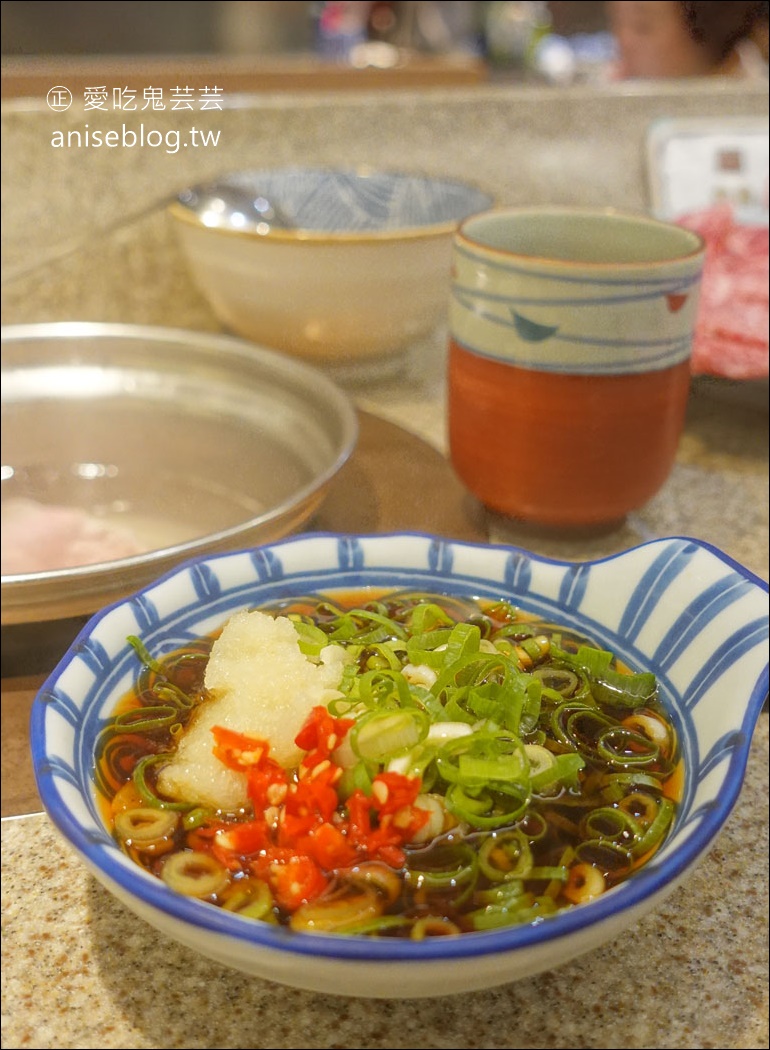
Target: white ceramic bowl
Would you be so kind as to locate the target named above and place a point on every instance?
(674, 606)
(363, 273)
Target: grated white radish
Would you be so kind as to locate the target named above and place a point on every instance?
(261, 684)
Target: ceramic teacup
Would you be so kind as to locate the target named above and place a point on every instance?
(570, 337)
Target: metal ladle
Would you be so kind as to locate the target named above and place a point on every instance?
(224, 205)
(219, 203)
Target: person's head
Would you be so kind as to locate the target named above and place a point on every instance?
(674, 38)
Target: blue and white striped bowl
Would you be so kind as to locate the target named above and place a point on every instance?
(677, 607)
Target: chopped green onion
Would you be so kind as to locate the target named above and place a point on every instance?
(608, 822)
(615, 786)
(254, 900)
(656, 830)
(620, 746)
(432, 925)
(381, 735)
(146, 792)
(506, 856)
(484, 810)
(194, 874)
(144, 719)
(145, 826)
(311, 638)
(527, 909)
(143, 653)
(558, 679)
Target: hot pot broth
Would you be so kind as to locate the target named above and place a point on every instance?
(476, 767)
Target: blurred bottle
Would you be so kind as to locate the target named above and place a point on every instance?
(580, 58)
(513, 31)
(383, 21)
(341, 26)
(429, 25)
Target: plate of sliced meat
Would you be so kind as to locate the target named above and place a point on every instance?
(731, 337)
(711, 175)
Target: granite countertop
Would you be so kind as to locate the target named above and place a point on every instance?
(78, 970)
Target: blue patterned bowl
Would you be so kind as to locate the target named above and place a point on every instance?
(320, 202)
(362, 272)
(677, 607)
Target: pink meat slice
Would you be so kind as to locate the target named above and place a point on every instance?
(731, 338)
(38, 537)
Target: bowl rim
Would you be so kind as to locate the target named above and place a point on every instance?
(102, 855)
(276, 365)
(330, 238)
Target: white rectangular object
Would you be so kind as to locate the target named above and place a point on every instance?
(697, 163)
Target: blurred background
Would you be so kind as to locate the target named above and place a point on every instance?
(252, 46)
(263, 26)
(542, 41)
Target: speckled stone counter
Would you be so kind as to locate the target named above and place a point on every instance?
(79, 970)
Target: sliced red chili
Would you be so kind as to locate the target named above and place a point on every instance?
(329, 847)
(320, 735)
(392, 791)
(296, 839)
(296, 880)
(267, 780)
(242, 839)
(239, 751)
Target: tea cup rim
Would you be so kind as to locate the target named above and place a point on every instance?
(465, 238)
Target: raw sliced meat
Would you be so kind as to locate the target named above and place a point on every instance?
(731, 337)
(38, 537)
